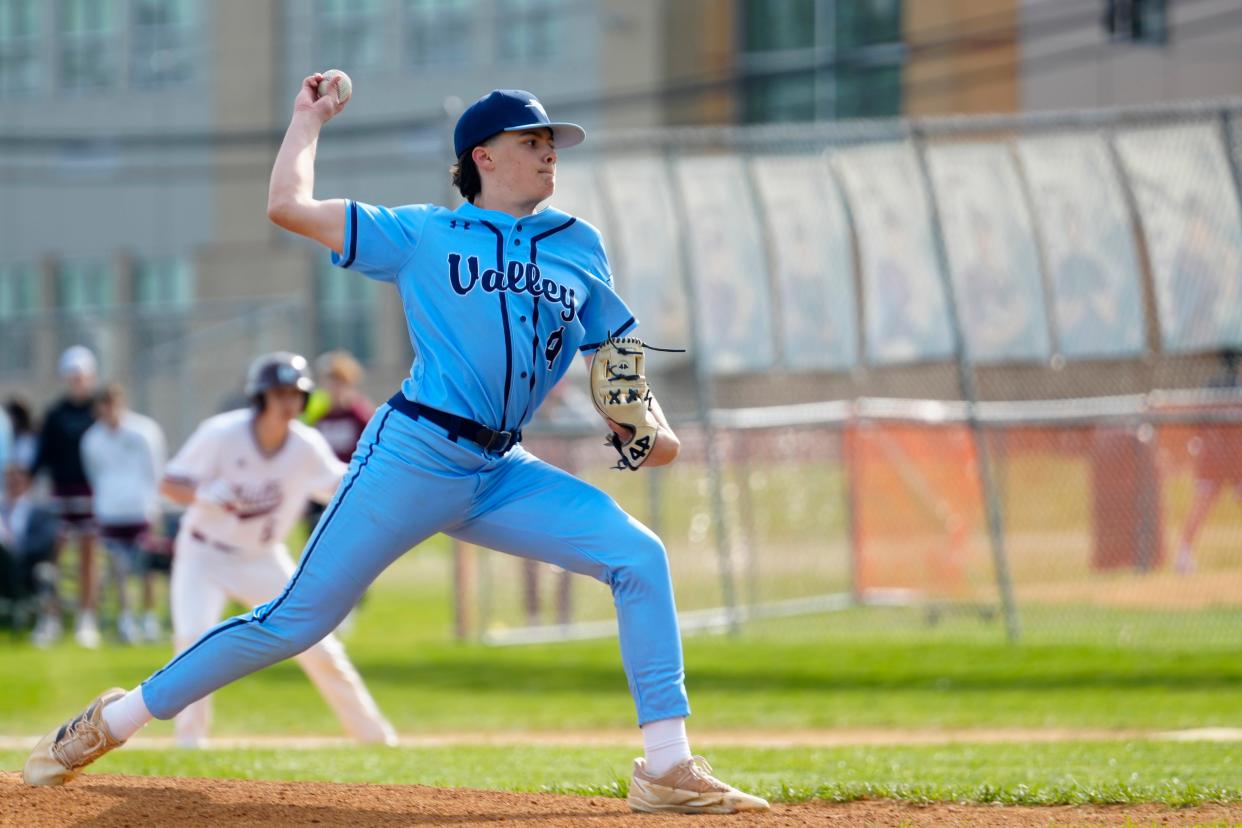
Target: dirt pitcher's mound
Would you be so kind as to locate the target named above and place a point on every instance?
(100, 800)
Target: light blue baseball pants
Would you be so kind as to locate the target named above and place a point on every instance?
(406, 482)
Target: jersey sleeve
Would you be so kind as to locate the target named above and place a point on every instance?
(604, 314)
(324, 471)
(195, 463)
(380, 240)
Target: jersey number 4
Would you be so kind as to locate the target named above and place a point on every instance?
(552, 349)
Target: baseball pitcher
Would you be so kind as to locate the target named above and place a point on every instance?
(499, 296)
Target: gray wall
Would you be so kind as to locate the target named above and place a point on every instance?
(1082, 68)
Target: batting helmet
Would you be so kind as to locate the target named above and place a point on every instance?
(280, 369)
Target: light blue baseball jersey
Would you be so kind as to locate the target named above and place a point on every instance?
(496, 306)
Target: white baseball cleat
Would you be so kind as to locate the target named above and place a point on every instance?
(689, 788)
(152, 629)
(47, 631)
(87, 631)
(62, 753)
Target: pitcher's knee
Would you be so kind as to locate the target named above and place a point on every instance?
(644, 564)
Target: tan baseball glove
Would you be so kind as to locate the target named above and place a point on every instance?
(620, 392)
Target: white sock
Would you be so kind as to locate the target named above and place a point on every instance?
(127, 715)
(665, 744)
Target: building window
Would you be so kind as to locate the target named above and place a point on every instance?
(869, 92)
(20, 33)
(84, 292)
(532, 31)
(163, 294)
(161, 39)
(345, 308)
(779, 25)
(164, 283)
(808, 59)
(84, 286)
(864, 23)
(19, 300)
(438, 32)
(350, 34)
(1137, 21)
(775, 37)
(88, 43)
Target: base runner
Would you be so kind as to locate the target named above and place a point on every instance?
(246, 476)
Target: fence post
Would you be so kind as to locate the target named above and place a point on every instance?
(705, 403)
(966, 381)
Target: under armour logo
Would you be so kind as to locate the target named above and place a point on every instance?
(538, 107)
(465, 225)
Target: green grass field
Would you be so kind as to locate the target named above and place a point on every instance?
(866, 668)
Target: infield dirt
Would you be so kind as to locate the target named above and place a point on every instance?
(102, 800)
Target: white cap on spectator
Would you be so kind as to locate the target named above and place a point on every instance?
(77, 359)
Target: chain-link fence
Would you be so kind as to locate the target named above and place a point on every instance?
(956, 364)
(974, 364)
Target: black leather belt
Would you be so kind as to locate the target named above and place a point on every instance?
(490, 440)
(201, 538)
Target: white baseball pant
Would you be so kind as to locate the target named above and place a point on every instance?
(204, 577)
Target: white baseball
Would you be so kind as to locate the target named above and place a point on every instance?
(344, 87)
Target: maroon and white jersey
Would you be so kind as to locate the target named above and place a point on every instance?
(269, 492)
(342, 427)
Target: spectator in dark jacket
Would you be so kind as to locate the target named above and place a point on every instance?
(59, 454)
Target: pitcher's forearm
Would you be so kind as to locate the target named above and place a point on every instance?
(293, 174)
(291, 201)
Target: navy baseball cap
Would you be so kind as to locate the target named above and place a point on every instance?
(509, 110)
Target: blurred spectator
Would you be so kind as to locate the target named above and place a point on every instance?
(25, 435)
(123, 455)
(1089, 313)
(998, 319)
(59, 454)
(1217, 464)
(339, 409)
(27, 548)
(349, 410)
(909, 324)
(1204, 287)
